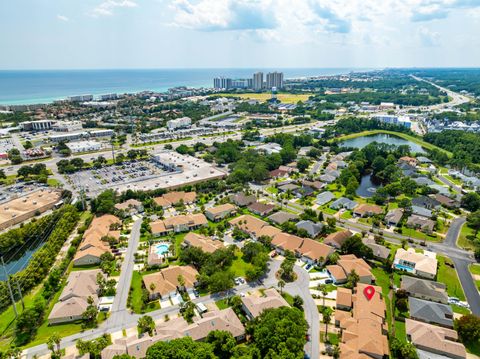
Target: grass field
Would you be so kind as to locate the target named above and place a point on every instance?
(383, 280)
(283, 97)
(136, 295)
(463, 241)
(448, 275)
(398, 134)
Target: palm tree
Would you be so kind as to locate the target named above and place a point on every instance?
(323, 288)
(53, 344)
(281, 285)
(327, 316)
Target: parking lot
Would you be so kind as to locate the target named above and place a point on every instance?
(97, 180)
(18, 190)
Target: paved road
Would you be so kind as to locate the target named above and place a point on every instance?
(119, 308)
(450, 184)
(121, 318)
(461, 265)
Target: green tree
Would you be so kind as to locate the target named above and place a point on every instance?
(53, 344)
(302, 164)
(146, 325)
(326, 318)
(404, 350)
(468, 328)
(183, 348)
(279, 333)
(281, 285)
(222, 342)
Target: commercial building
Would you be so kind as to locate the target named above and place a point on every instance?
(182, 122)
(84, 146)
(67, 126)
(41, 125)
(22, 208)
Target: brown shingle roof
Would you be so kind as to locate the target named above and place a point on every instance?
(206, 244)
(166, 280)
(257, 304)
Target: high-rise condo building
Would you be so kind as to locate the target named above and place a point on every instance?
(275, 79)
(222, 83)
(257, 83)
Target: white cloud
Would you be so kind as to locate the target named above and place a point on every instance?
(107, 7)
(62, 18)
(427, 37)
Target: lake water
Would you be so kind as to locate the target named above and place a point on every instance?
(360, 142)
(367, 188)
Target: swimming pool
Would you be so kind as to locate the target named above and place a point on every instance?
(161, 248)
(404, 268)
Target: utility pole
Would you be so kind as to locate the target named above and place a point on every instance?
(113, 153)
(20, 292)
(9, 289)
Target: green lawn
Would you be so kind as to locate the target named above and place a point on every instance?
(239, 266)
(475, 269)
(463, 241)
(332, 337)
(53, 182)
(383, 280)
(400, 331)
(136, 292)
(453, 180)
(222, 304)
(411, 232)
(448, 275)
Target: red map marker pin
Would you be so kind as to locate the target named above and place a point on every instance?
(369, 292)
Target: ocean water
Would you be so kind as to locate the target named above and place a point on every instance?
(44, 86)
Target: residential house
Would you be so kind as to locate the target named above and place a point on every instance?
(242, 200)
(407, 170)
(313, 229)
(73, 300)
(317, 185)
(288, 187)
(345, 265)
(304, 191)
(170, 199)
(447, 201)
(130, 207)
(308, 250)
(430, 312)
(220, 212)
(206, 244)
(281, 217)
(441, 189)
(379, 251)
(423, 181)
(363, 328)
(223, 320)
(425, 202)
(424, 289)
(261, 209)
(393, 217)
(423, 159)
(408, 160)
(164, 283)
(421, 211)
(279, 173)
(367, 210)
(92, 246)
(420, 264)
(324, 197)
(336, 239)
(344, 299)
(345, 203)
(182, 223)
(327, 178)
(254, 227)
(255, 304)
(434, 339)
(419, 222)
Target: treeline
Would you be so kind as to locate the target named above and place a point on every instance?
(14, 239)
(464, 146)
(346, 126)
(454, 79)
(455, 116)
(375, 98)
(42, 261)
(15, 118)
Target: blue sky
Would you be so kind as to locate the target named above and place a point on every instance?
(65, 34)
